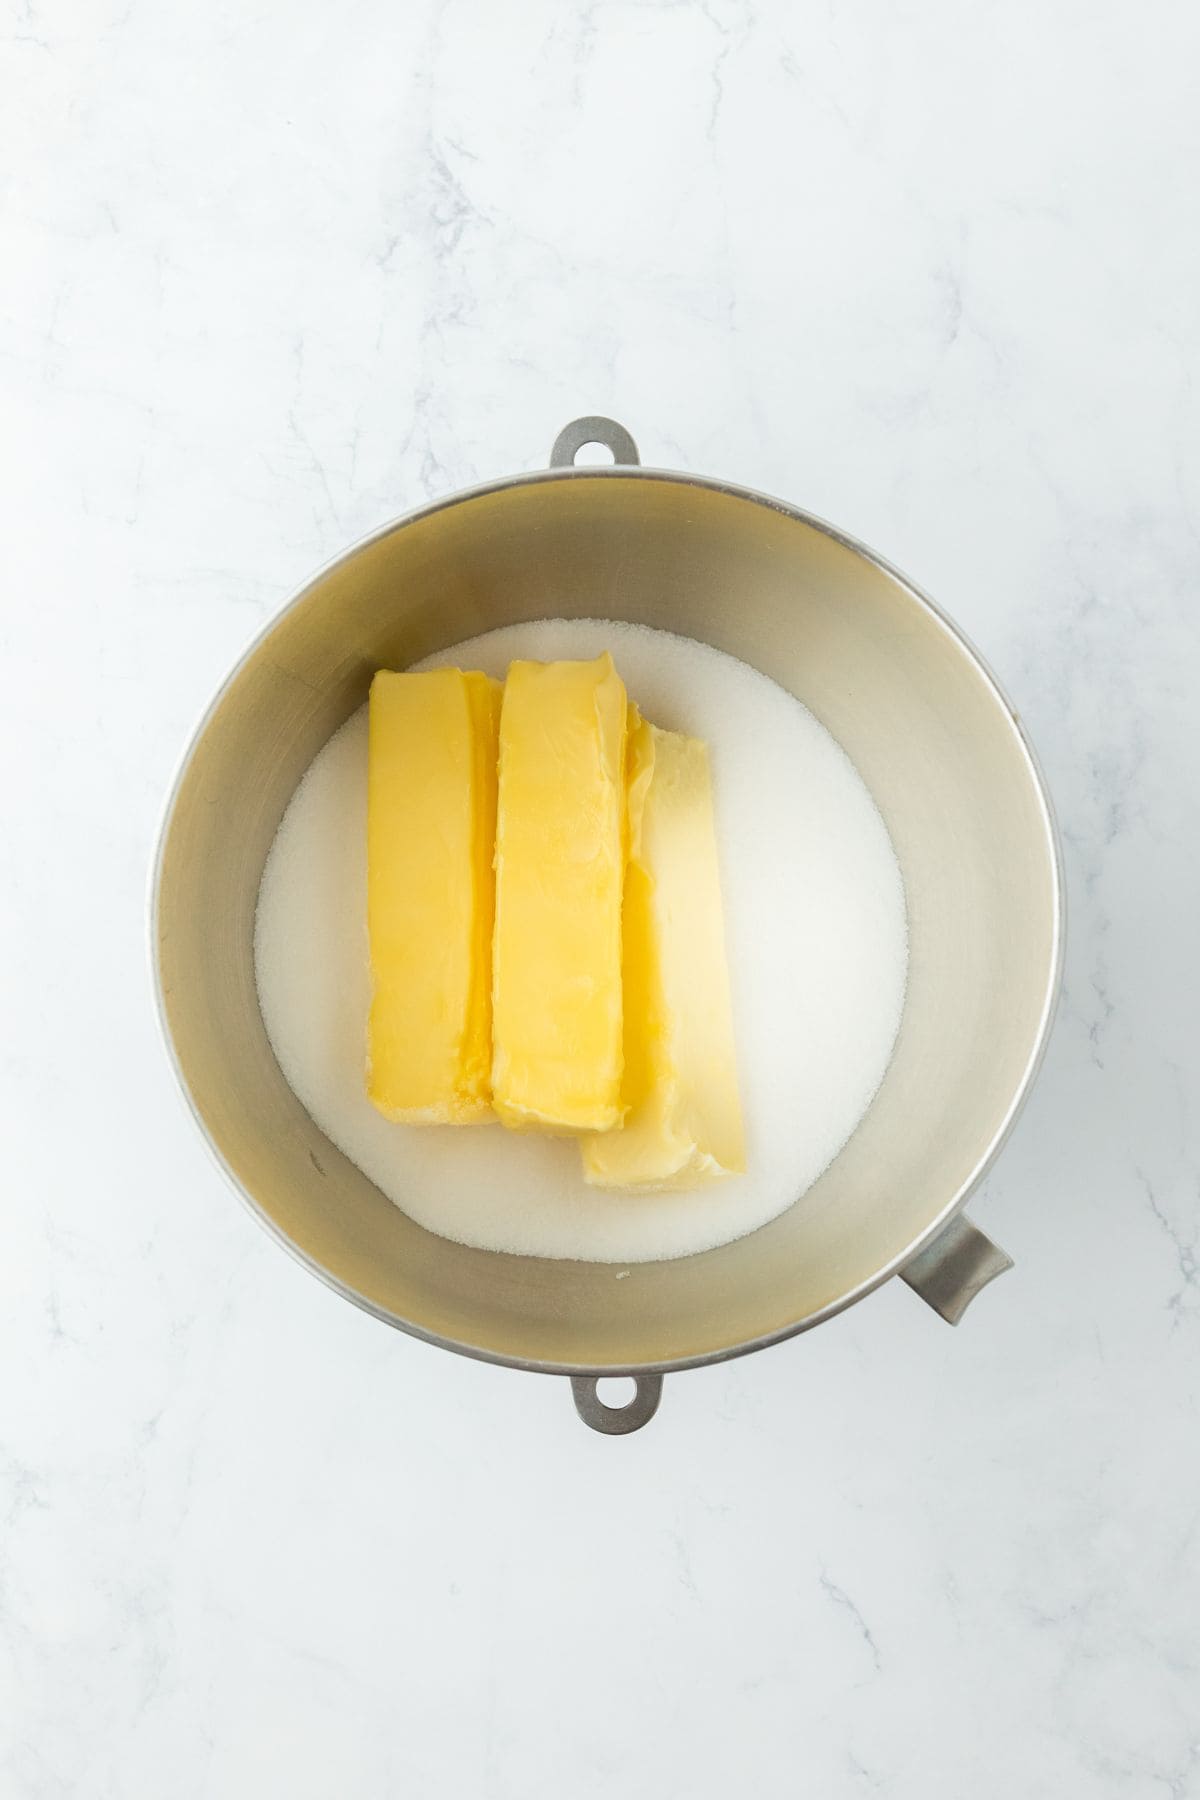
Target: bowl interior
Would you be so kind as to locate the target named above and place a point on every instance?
(894, 684)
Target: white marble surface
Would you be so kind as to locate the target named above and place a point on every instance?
(272, 273)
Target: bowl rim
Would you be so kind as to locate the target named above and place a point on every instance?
(754, 496)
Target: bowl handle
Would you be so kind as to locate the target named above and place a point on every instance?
(950, 1272)
(947, 1274)
(615, 1421)
(593, 430)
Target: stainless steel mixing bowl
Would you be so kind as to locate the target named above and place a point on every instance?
(930, 732)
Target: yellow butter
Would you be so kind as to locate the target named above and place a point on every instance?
(559, 871)
(431, 819)
(683, 1127)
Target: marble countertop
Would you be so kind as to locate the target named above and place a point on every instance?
(275, 273)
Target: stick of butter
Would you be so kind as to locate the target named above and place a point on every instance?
(559, 871)
(683, 1128)
(431, 822)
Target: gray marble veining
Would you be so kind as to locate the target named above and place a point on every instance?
(273, 274)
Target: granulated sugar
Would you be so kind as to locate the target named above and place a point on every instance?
(815, 925)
